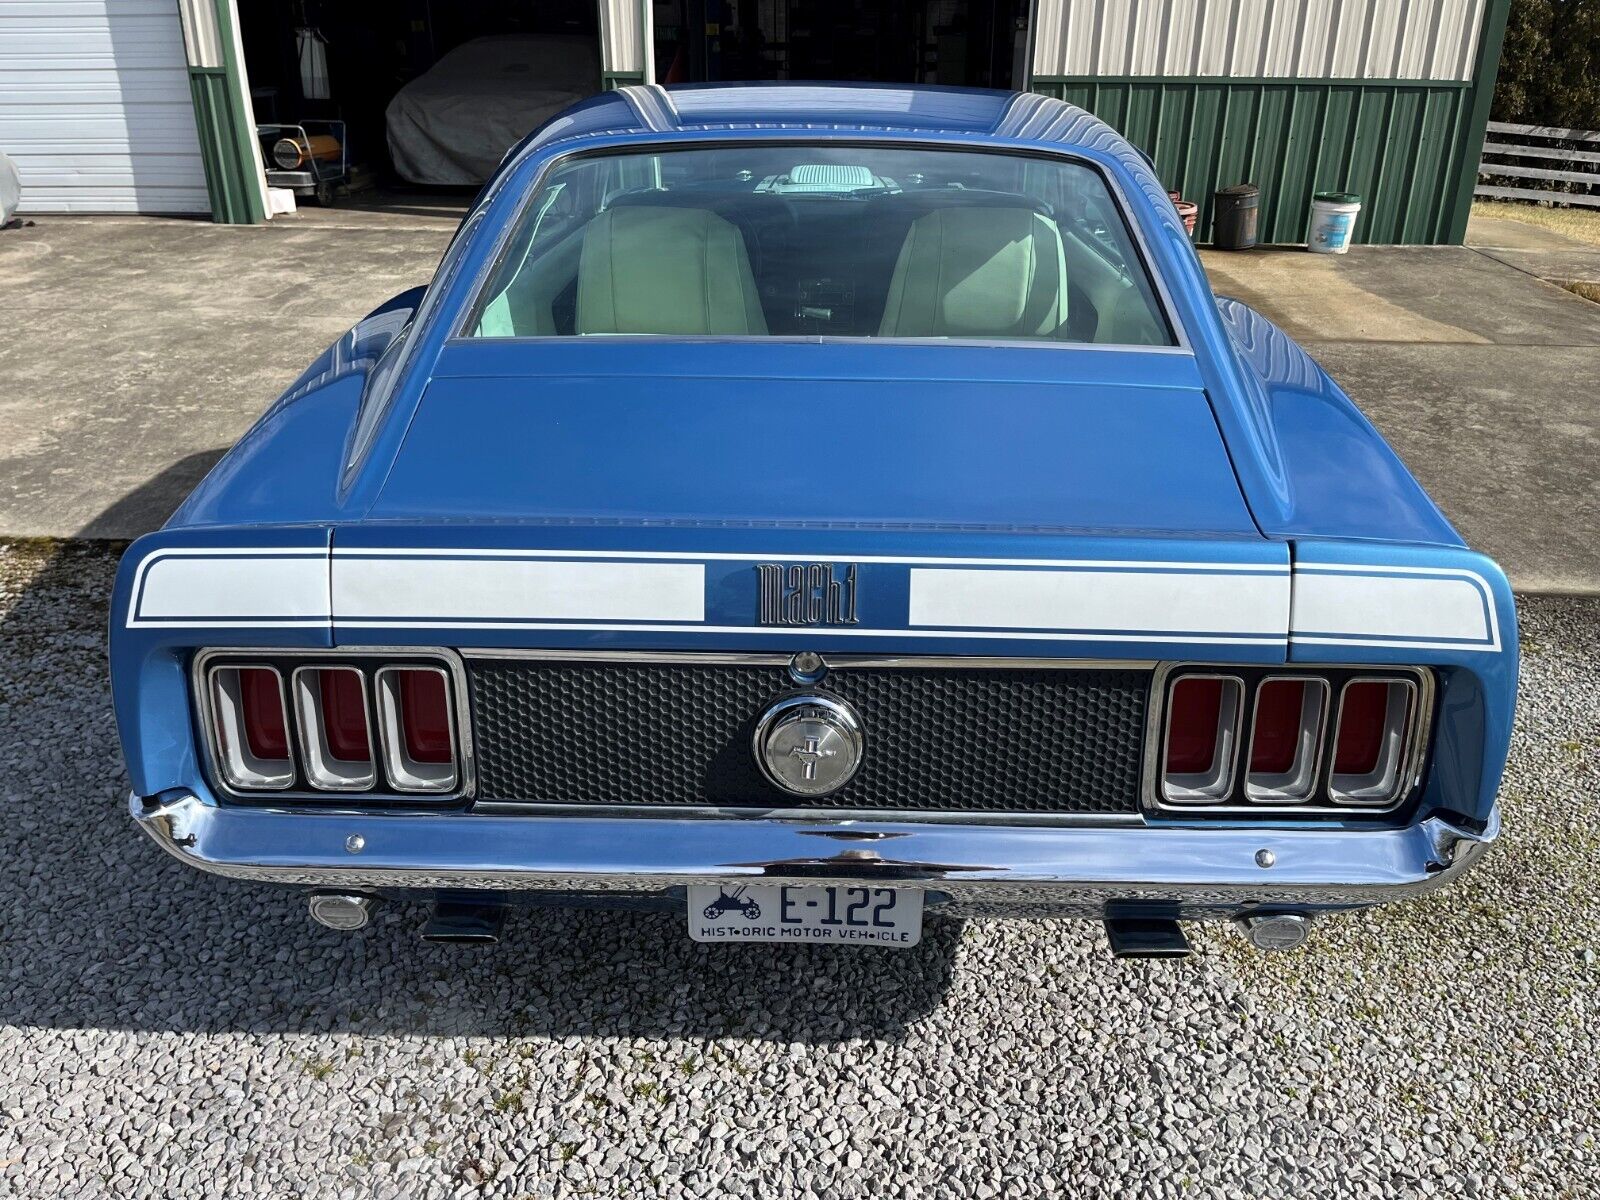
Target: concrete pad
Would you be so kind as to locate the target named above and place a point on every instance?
(140, 350)
(1505, 439)
(1503, 234)
(1558, 266)
(1436, 294)
(1546, 253)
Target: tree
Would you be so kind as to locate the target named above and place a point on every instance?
(1550, 66)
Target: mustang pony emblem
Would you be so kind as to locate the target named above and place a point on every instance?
(808, 594)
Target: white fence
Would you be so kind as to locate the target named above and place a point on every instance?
(1524, 152)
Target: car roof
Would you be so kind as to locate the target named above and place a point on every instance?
(835, 107)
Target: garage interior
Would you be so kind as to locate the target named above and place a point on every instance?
(970, 43)
(431, 94)
(312, 61)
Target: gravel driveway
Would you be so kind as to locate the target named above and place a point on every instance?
(167, 1034)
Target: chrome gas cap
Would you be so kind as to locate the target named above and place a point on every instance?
(809, 745)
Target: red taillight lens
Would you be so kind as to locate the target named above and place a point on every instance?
(266, 735)
(1363, 717)
(1193, 714)
(344, 715)
(424, 715)
(1280, 704)
(251, 746)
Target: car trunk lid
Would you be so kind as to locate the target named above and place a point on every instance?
(1082, 505)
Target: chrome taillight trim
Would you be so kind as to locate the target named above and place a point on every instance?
(324, 772)
(406, 775)
(1214, 786)
(1321, 803)
(231, 756)
(1298, 785)
(370, 658)
(1393, 764)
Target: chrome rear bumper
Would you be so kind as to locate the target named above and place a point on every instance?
(971, 870)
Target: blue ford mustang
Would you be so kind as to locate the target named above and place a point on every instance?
(804, 507)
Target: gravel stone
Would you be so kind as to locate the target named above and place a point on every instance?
(164, 1033)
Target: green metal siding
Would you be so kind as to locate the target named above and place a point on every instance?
(1399, 144)
(230, 166)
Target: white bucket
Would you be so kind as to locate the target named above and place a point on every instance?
(1333, 220)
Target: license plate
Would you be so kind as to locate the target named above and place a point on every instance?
(770, 912)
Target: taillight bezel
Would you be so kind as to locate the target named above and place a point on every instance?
(1225, 748)
(287, 661)
(231, 767)
(1410, 721)
(391, 739)
(1322, 801)
(1258, 795)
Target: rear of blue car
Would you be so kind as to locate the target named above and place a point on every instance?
(810, 532)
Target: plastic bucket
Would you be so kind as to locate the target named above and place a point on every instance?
(1333, 220)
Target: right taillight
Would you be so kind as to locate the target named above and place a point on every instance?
(1341, 737)
(1285, 734)
(1201, 739)
(1372, 733)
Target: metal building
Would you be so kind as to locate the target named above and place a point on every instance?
(150, 105)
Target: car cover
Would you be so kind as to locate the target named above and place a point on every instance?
(454, 123)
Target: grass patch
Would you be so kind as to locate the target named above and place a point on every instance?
(1589, 291)
(1580, 223)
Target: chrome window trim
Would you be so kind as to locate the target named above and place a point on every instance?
(1204, 797)
(1277, 795)
(391, 735)
(214, 738)
(208, 657)
(1415, 758)
(312, 726)
(1409, 740)
(478, 300)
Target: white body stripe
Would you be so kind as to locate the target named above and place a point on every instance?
(1335, 604)
(1418, 607)
(237, 587)
(1179, 603)
(508, 589)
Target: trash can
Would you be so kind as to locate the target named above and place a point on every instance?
(1233, 223)
(1333, 220)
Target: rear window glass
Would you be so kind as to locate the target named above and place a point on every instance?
(823, 241)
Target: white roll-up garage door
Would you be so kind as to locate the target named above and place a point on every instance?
(95, 107)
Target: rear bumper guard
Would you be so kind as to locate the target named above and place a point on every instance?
(977, 870)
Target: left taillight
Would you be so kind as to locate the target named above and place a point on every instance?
(250, 727)
(335, 728)
(360, 725)
(419, 745)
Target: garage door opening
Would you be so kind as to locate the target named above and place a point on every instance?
(968, 43)
(408, 104)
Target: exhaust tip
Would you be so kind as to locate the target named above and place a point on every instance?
(340, 911)
(465, 924)
(1278, 931)
(1146, 937)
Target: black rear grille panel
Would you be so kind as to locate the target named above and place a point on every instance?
(938, 739)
